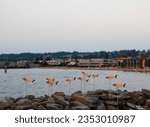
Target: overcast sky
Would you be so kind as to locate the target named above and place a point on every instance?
(73, 25)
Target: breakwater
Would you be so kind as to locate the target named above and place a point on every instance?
(92, 100)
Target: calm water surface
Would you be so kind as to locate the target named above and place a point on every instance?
(11, 83)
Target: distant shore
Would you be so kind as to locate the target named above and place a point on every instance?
(92, 100)
(146, 70)
(92, 68)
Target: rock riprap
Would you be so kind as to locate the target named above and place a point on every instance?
(92, 100)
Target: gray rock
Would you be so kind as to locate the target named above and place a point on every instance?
(41, 98)
(146, 93)
(101, 107)
(77, 93)
(92, 100)
(110, 107)
(67, 98)
(137, 98)
(3, 105)
(82, 107)
(10, 98)
(17, 99)
(147, 101)
(90, 92)
(130, 105)
(23, 102)
(30, 97)
(67, 108)
(114, 103)
(104, 96)
(110, 91)
(120, 93)
(141, 100)
(99, 91)
(75, 103)
(139, 107)
(50, 106)
(40, 107)
(46, 97)
(60, 100)
(10, 103)
(23, 107)
(34, 104)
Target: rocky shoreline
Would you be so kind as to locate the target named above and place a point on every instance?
(92, 100)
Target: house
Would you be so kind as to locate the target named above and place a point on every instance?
(54, 62)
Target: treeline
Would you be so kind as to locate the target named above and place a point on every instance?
(75, 54)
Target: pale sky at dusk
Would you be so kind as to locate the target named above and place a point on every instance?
(73, 25)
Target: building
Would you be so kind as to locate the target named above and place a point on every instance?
(130, 62)
(96, 63)
(54, 62)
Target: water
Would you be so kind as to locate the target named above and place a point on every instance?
(12, 85)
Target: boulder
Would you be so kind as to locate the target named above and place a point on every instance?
(67, 108)
(139, 107)
(35, 104)
(110, 107)
(75, 103)
(101, 107)
(60, 100)
(82, 107)
(120, 92)
(10, 103)
(40, 107)
(130, 105)
(77, 93)
(59, 94)
(147, 101)
(3, 105)
(51, 100)
(41, 98)
(50, 106)
(136, 98)
(92, 100)
(99, 91)
(104, 96)
(30, 97)
(23, 102)
(23, 107)
(67, 98)
(146, 93)
(113, 103)
(17, 99)
(80, 99)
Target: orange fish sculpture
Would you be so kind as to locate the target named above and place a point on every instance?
(51, 82)
(86, 74)
(28, 80)
(95, 75)
(83, 79)
(111, 77)
(119, 85)
(70, 79)
(50, 79)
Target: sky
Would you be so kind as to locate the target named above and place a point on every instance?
(73, 25)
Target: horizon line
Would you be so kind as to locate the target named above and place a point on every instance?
(75, 51)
